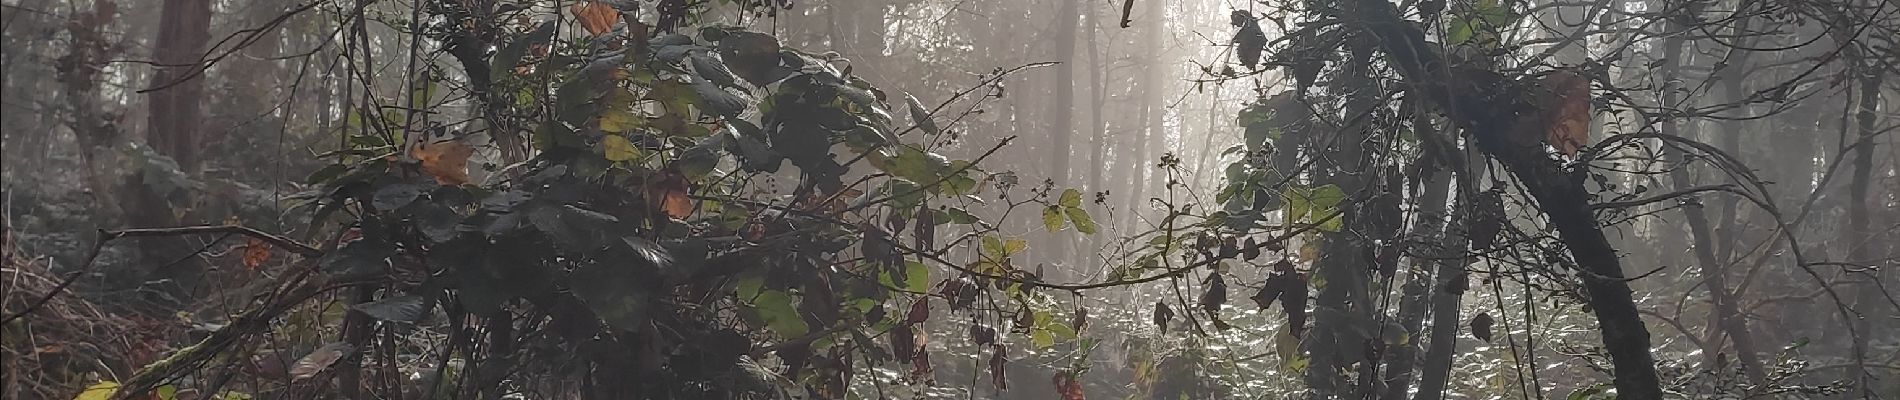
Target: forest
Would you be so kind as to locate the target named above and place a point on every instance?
(950, 199)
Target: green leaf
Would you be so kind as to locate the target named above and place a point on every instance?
(614, 292)
(717, 100)
(1288, 347)
(98, 391)
(1083, 223)
(1013, 246)
(992, 246)
(779, 314)
(1042, 339)
(916, 276)
(955, 216)
(1061, 330)
(617, 148)
(748, 287)
(396, 196)
(1052, 218)
(1071, 198)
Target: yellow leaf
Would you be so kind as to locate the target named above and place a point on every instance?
(446, 160)
(618, 149)
(596, 17)
(618, 121)
(98, 391)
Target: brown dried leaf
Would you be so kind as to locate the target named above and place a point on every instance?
(596, 17)
(1567, 110)
(1067, 386)
(669, 194)
(446, 160)
(256, 252)
(919, 311)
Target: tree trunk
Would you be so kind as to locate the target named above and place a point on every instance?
(1489, 105)
(177, 93)
(1856, 234)
(1448, 289)
(1712, 268)
(1429, 226)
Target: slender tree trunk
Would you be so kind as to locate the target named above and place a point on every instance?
(1448, 289)
(1428, 224)
(1713, 269)
(1856, 234)
(1098, 94)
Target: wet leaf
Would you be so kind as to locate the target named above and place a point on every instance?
(405, 308)
(320, 359)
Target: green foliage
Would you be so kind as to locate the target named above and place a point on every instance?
(636, 225)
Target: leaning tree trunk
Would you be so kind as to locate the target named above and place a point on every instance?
(1491, 107)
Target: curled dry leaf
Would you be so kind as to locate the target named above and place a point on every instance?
(1215, 295)
(982, 335)
(1162, 315)
(596, 17)
(446, 160)
(1481, 327)
(903, 343)
(919, 311)
(1567, 111)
